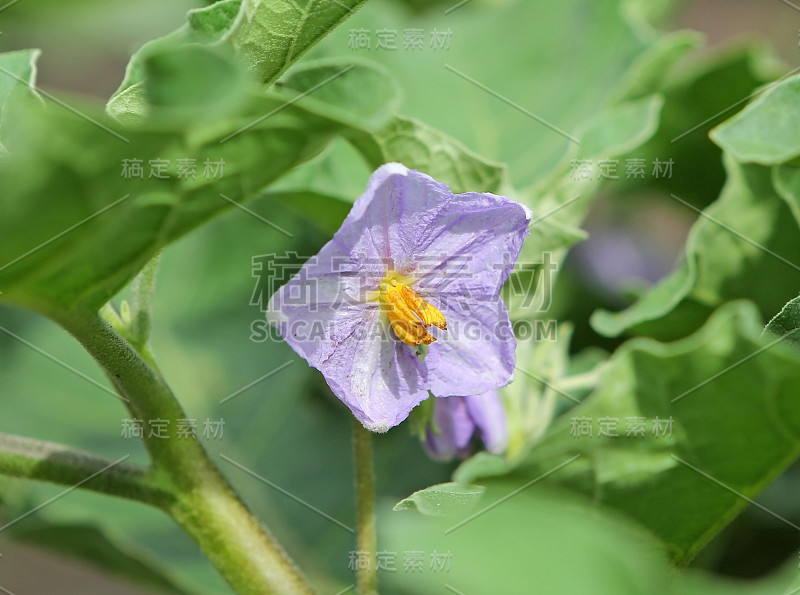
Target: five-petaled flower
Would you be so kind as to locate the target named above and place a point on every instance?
(412, 265)
(457, 419)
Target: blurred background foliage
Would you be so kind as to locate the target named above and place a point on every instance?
(596, 69)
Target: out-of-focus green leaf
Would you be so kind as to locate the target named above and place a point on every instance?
(786, 179)
(325, 211)
(678, 427)
(193, 84)
(348, 97)
(182, 85)
(96, 547)
(527, 543)
(645, 15)
(767, 131)
(77, 227)
(650, 70)
(533, 399)
(340, 170)
(699, 92)
(621, 129)
(545, 542)
(18, 68)
(444, 499)
(487, 103)
(742, 246)
(561, 202)
(17, 71)
(421, 147)
(787, 322)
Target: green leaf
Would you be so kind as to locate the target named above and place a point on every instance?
(560, 203)
(421, 147)
(524, 540)
(649, 71)
(546, 541)
(96, 547)
(18, 68)
(444, 499)
(742, 246)
(212, 22)
(621, 129)
(76, 230)
(787, 322)
(327, 212)
(533, 399)
(786, 179)
(767, 131)
(700, 91)
(173, 81)
(645, 15)
(17, 71)
(735, 427)
(267, 35)
(470, 110)
(181, 86)
(272, 34)
(336, 88)
(550, 235)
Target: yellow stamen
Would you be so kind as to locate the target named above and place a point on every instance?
(429, 314)
(409, 314)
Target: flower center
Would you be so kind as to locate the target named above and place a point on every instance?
(409, 314)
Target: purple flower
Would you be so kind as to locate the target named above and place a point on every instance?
(412, 265)
(458, 419)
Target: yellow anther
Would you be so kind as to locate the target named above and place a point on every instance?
(411, 333)
(428, 314)
(409, 314)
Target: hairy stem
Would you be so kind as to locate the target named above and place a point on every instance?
(367, 538)
(28, 458)
(204, 504)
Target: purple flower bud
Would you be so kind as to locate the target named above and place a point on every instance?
(459, 419)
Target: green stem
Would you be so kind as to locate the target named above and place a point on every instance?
(28, 458)
(367, 537)
(204, 504)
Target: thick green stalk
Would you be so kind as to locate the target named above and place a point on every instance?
(28, 458)
(204, 504)
(367, 537)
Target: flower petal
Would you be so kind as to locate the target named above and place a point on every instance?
(439, 236)
(477, 351)
(471, 247)
(317, 309)
(378, 377)
(489, 415)
(422, 228)
(368, 233)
